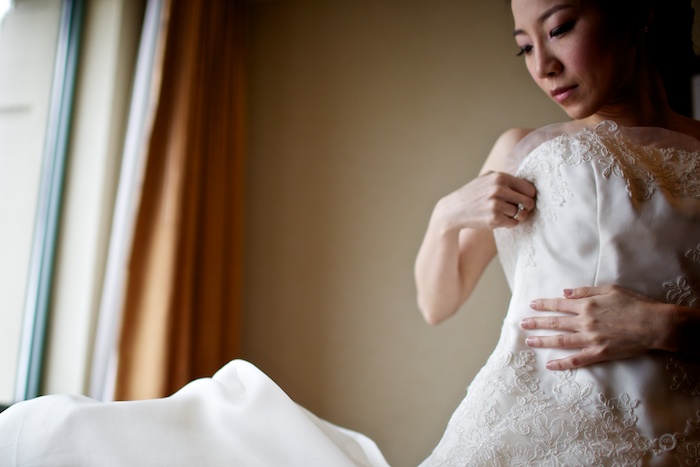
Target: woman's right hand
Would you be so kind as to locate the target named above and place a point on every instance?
(490, 201)
(459, 242)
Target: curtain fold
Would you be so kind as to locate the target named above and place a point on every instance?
(183, 299)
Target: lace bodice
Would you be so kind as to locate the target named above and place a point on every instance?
(612, 208)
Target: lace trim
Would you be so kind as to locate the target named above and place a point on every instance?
(694, 254)
(676, 171)
(646, 170)
(565, 424)
(683, 380)
(681, 292)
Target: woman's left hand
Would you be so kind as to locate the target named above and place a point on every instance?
(606, 323)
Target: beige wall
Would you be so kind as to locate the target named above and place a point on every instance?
(363, 114)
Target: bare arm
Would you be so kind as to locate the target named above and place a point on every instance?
(459, 244)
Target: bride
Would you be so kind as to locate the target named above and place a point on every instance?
(597, 225)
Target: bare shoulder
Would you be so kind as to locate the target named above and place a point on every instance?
(513, 136)
(498, 158)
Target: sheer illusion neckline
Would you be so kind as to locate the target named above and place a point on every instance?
(648, 137)
(654, 136)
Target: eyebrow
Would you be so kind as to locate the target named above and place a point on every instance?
(543, 17)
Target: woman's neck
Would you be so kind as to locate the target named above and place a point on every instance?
(641, 103)
(667, 119)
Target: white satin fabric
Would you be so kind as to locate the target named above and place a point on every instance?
(614, 206)
(237, 418)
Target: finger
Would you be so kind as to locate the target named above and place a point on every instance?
(519, 208)
(516, 211)
(520, 212)
(583, 292)
(528, 204)
(523, 186)
(564, 323)
(564, 305)
(516, 198)
(505, 212)
(574, 361)
(560, 341)
(515, 190)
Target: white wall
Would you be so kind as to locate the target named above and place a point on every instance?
(363, 114)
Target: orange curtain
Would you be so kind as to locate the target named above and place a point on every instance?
(182, 312)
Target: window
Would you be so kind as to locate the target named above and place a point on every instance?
(37, 44)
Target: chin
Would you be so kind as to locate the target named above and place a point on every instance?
(576, 112)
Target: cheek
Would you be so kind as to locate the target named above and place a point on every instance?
(583, 60)
(590, 55)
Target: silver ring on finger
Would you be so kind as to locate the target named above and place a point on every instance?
(521, 208)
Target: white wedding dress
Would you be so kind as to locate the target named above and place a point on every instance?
(614, 206)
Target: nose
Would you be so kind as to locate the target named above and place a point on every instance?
(547, 64)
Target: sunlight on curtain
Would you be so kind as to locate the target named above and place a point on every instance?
(181, 313)
(146, 84)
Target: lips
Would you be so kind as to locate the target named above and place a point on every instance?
(562, 93)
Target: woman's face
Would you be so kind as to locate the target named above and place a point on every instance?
(574, 58)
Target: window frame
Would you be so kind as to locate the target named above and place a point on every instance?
(44, 244)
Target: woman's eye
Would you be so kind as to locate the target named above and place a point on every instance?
(525, 49)
(564, 28)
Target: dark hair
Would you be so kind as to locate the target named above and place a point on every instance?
(665, 28)
(670, 46)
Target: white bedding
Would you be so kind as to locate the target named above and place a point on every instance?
(239, 417)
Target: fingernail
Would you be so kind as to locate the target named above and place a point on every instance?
(529, 341)
(550, 366)
(568, 292)
(533, 304)
(525, 324)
